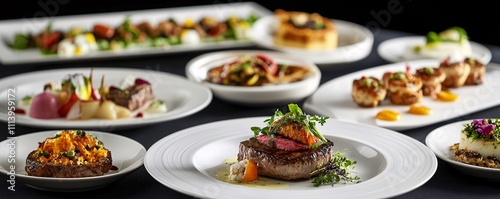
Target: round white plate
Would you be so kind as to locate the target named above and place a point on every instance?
(127, 154)
(354, 42)
(389, 163)
(400, 49)
(441, 139)
(181, 96)
(333, 98)
(198, 67)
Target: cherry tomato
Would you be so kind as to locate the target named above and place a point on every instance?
(103, 31)
(271, 67)
(64, 110)
(48, 39)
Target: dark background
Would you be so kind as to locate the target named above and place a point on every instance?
(478, 18)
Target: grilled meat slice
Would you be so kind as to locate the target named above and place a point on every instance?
(133, 97)
(37, 168)
(287, 165)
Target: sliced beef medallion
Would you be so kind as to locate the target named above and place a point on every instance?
(284, 164)
(133, 98)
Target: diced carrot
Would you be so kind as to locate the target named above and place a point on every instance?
(251, 172)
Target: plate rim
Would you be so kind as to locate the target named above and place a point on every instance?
(149, 160)
(393, 59)
(114, 124)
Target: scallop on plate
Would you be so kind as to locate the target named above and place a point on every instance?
(255, 78)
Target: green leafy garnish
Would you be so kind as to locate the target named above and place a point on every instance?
(295, 114)
(21, 41)
(444, 36)
(339, 168)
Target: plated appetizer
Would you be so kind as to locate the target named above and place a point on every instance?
(69, 154)
(305, 30)
(290, 147)
(477, 70)
(479, 143)
(77, 41)
(368, 91)
(75, 98)
(256, 70)
(403, 88)
(452, 42)
(456, 72)
(432, 78)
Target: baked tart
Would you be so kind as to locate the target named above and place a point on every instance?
(305, 30)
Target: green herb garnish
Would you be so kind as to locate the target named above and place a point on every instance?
(339, 168)
(428, 70)
(43, 153)
(398, 76)
(80, 133)
(295, 114)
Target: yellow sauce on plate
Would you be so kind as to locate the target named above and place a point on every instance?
(419, 110)
(446, 96)
(388, 115)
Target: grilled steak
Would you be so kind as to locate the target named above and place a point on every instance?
(282, 164)
(133, 97)
(36, 168)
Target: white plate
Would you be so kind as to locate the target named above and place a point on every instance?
(389, 163)
(400, 49)
(333, 98)
(197, 68)
(441, 139)
(354, 43)
(218, 10)
(181, 96)
(127, 154)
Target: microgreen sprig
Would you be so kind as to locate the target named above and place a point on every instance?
(295, 114)
(339, 168)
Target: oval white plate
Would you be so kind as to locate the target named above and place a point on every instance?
(441, 139)
(354, 43)
(333, 98)
(219, 10)
(181, 96)
(389, 163)
(127, 154)
(399, 49)
(197, 68)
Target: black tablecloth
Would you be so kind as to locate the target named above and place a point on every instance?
(446, 183)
